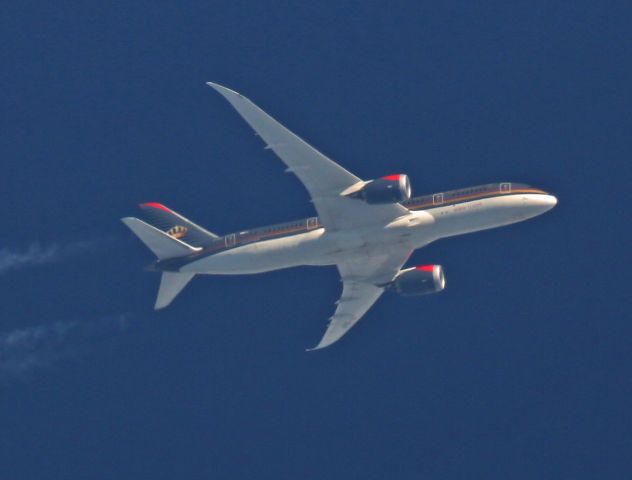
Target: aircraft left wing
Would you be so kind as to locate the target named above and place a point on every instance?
(361, 278)
(323, 178)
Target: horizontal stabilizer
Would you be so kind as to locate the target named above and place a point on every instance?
(171, 283)
(162, 244)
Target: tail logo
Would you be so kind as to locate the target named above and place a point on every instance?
(177, 231)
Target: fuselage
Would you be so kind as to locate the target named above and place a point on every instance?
(307, 242)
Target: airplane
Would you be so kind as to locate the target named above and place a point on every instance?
(366, 228)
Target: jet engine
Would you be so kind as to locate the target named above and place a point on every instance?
(389, 189)
(418, 280)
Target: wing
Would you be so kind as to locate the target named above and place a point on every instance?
(360, 277)
(323, 178)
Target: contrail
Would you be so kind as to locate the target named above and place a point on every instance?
(36, 254)
(25, 350)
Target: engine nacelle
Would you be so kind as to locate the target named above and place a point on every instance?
(389, 189)
(419, 280)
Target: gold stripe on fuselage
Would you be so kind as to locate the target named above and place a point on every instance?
(466, 198)
(427, 204)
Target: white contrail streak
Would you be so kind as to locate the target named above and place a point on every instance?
(25, 350)
(36, 255)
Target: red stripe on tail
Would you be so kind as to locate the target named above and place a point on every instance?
(159, 206)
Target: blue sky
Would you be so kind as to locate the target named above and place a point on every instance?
(520, 369)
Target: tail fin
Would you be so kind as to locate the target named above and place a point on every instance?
(171, 283)
(176, 225)
(162, 244)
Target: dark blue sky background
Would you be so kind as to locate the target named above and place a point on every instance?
(520, 369)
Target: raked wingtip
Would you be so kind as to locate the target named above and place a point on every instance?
(222, 89)
(320, 346)
(317, 347)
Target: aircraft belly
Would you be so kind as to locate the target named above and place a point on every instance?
(370, 242)
(413, 231)
(314, 248)
(264, 256)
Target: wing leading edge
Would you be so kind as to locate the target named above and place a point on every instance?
(323, 178)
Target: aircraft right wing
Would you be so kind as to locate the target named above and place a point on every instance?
(323, 178)
(356, 299)
(361, 277)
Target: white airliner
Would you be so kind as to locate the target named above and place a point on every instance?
(367, 228)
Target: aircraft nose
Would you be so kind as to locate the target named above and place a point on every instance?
(541, 203)
(548, 201)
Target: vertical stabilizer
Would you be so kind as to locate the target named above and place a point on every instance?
(165, 219)
(171, 283)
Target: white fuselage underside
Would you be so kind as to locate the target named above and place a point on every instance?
(412, 231)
